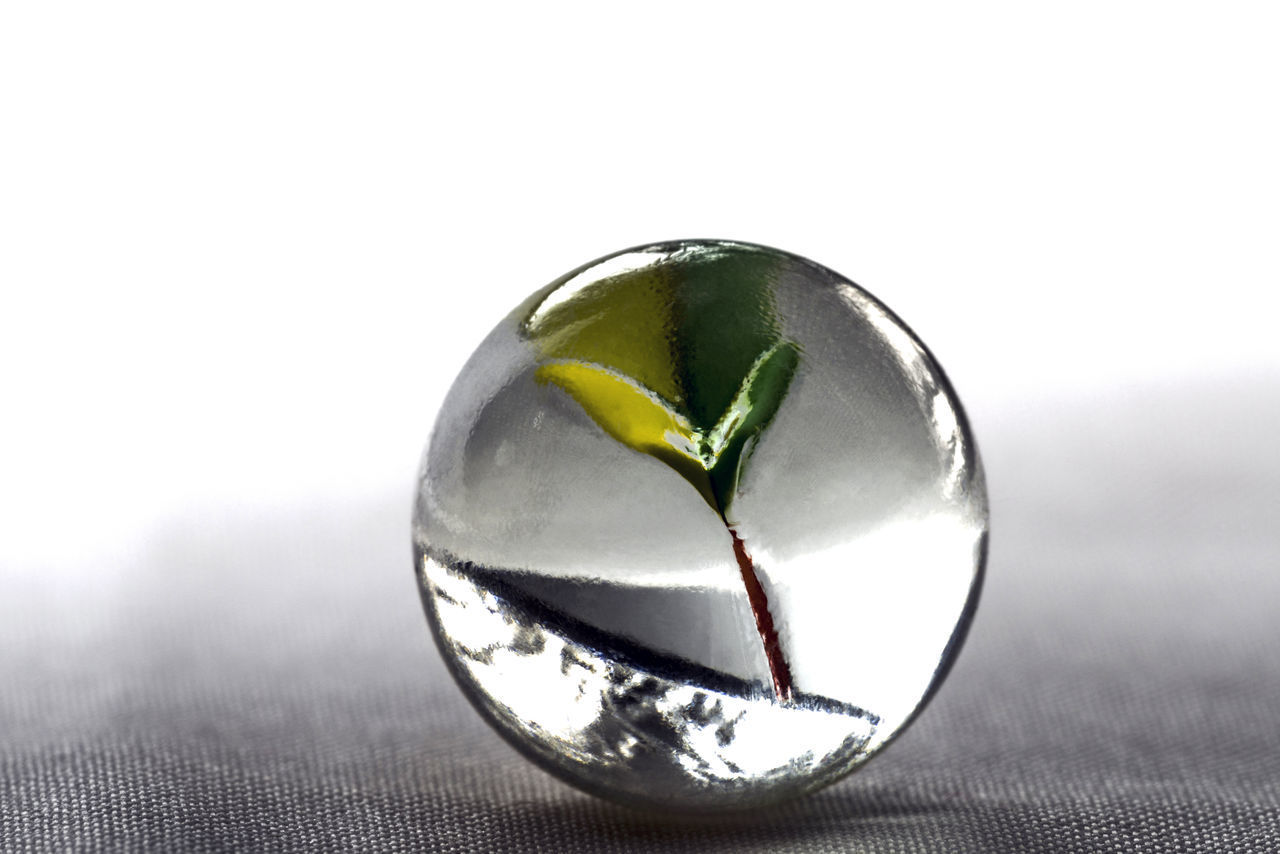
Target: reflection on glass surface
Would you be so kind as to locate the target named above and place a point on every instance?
(700, 526)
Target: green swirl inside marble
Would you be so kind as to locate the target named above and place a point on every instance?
(682, 359)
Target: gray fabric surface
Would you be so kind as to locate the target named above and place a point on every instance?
(264, 683)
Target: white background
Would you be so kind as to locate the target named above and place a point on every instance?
(245, 247)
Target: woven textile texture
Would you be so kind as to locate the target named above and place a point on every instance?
(255, 682)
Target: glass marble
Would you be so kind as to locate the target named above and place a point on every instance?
(701, 526)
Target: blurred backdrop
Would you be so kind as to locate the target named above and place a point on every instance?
(246, 248)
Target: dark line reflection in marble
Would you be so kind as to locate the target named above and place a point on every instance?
(614, 716)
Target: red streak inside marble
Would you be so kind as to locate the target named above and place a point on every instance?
(778, 668)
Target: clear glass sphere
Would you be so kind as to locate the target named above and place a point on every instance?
(701, 526)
